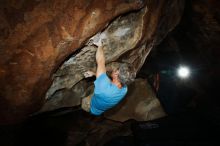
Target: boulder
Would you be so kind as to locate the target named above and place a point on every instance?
(38, 38)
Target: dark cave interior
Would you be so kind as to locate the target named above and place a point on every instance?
(192, 105)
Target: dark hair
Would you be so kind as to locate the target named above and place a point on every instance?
(126, 74)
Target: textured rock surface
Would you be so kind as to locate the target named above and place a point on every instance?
(128, 39)
(121, 35)
(37, 36)
(146, 106)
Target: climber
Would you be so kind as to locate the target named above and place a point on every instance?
(107, 92)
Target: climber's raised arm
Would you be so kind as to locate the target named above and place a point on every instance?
(100, 60)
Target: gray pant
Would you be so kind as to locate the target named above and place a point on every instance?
(86, 103)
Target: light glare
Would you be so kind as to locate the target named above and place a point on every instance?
(183, 72)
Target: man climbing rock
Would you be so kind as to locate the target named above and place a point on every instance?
(108, 92)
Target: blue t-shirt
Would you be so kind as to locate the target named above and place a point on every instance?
(106, 95)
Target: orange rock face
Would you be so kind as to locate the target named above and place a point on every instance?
(36, 37)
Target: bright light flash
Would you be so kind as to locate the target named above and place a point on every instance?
(183, 72)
